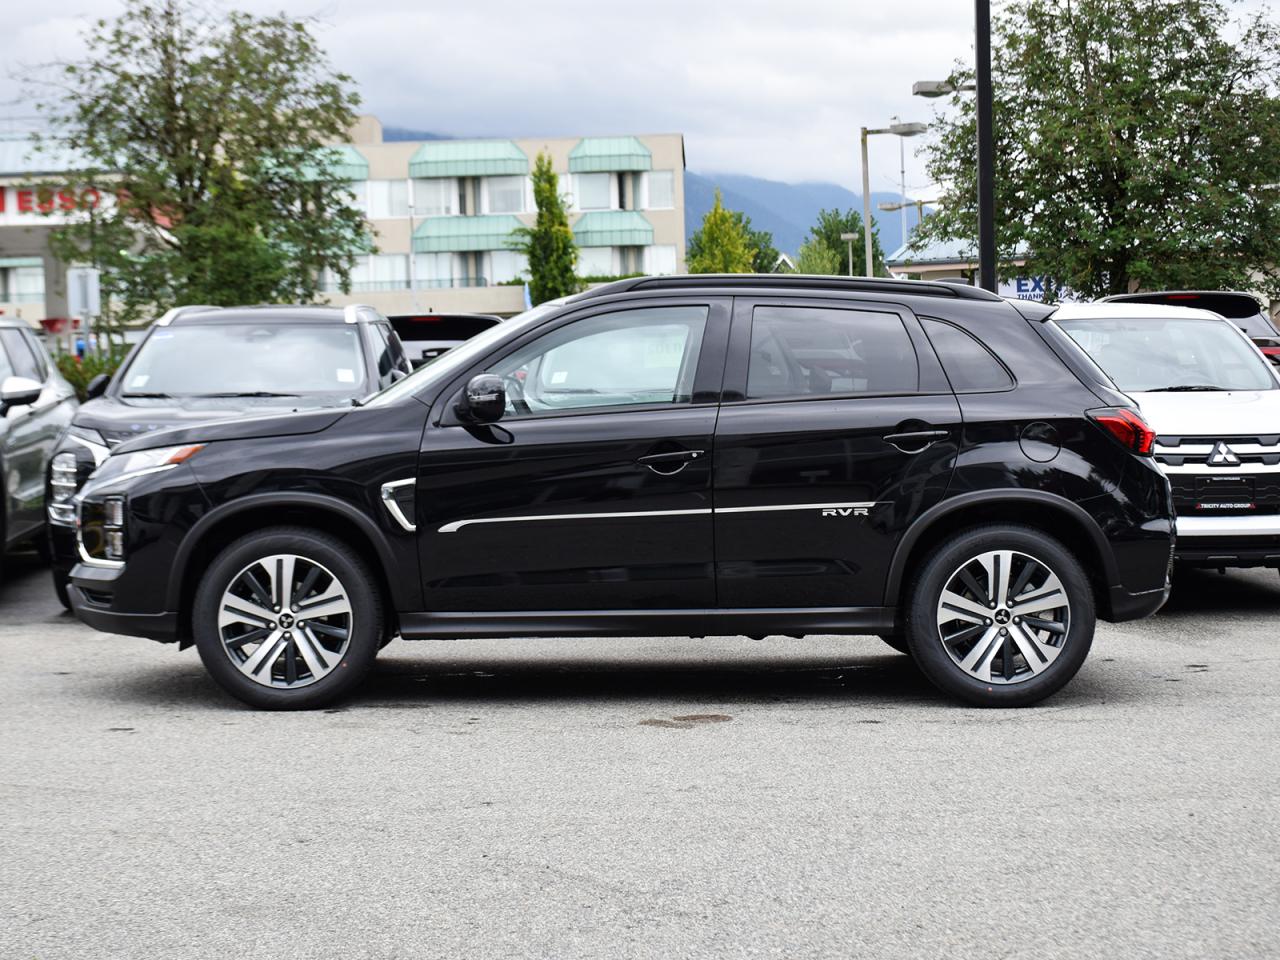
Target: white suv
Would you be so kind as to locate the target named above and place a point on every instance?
(1214, 402)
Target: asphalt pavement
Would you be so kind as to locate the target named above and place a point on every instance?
(645, 798)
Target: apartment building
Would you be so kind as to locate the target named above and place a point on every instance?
(443, 212)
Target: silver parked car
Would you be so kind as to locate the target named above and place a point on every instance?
(36, 405)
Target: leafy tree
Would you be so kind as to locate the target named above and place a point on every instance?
(764, 255)
(208, 131)
(548, 244)
(1134, 145)
(722, 243)
(831, 224)
(815, 257)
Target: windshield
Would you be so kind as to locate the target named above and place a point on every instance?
(462, 355)
(1170, 355)
(247, 359)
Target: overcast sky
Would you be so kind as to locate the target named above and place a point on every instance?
(774, 88)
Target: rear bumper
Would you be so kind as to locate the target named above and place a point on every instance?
(92, 597)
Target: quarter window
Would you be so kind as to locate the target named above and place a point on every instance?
(969, 365)
(813, 351)
(633, 357)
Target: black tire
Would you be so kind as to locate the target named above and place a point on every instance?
(61, 584)
(364, 628)
(897, 641)
(925, 639)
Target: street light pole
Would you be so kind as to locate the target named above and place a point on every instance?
(866, 209)
(986, 148)
(849, 238)
(898, 129)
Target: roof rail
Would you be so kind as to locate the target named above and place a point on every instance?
(910, 288)
(174, 313)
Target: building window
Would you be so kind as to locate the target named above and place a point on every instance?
(379, 271)
(504, 194)
(660, 260)
(593, 191)
(630, 260)
(506, 265)
(661, 187)
(22, 285)
(388, 198)
(436, 197)
(596, 262)
(434, 269)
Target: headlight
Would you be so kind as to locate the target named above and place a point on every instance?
(91, 440)
(125, 466)
(63, 482)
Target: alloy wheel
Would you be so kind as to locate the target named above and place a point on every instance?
(285, 621)
(1003, 617)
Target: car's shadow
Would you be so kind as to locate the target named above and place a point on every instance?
(1199, 592)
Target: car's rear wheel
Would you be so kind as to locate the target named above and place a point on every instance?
(288, 618)
(1001, 616)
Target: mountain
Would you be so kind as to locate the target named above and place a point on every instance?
(786, 210)
(390, 134)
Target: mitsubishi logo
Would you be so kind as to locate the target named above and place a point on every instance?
(1223, 456)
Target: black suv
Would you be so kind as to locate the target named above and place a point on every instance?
(677, 456)
(200, 363)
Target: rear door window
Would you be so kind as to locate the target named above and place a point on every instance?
(800, 351)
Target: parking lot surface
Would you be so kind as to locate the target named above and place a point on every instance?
(546, 799)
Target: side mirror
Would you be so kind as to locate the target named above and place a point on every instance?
(97, 386)
(484, 400)
(18, 392)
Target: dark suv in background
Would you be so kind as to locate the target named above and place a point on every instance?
(671, 456)
(198, 364)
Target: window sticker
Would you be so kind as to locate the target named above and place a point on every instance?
(139, 381)
(560, 376)
(346, 376)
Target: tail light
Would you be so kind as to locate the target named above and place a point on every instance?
(1127, 427)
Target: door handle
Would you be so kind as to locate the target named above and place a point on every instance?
(671, 463)
(915, 441)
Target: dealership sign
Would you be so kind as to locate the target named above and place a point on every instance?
(39, 205)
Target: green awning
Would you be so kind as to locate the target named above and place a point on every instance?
(440, 234)
(606, 154)
(21, 262)
(468, 158)
(613, 228)
(338, 163)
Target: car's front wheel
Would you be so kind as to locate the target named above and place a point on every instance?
(1001, 616)
(288, 618)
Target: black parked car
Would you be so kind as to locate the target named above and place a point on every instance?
(1242, 309)
(427, 336)
(198, 364)
(677, 456)
(36, 404)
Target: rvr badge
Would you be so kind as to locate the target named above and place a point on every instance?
(845, 511)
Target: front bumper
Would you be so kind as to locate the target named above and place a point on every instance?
(92, 595)
(62, 548)
(1229, 541)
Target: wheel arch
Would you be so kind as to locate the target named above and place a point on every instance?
(220, 527)
(1056, 516)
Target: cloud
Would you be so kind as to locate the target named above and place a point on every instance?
(774, 88)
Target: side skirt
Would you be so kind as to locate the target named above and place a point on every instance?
(647, 623)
